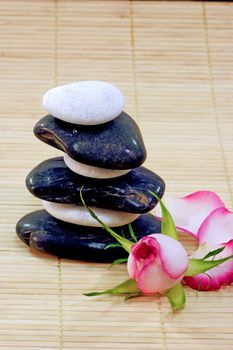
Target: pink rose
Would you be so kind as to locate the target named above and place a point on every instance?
(157, 262)
(204, 215)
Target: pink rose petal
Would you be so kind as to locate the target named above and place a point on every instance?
(142, 254)
(190, 211)
(153, 279)
(216, 277)
(173, 257)
(132, 266)
(217, 227)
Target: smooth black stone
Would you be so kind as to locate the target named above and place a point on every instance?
(53, 181)
(43, 232)
(117, 144)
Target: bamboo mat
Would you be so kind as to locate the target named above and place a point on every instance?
(173, 60)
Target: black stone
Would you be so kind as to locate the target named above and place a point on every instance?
(53, 181)
(117, 144)
(43, 232)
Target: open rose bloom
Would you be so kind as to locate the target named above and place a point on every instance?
(203, 215)
(157, 262)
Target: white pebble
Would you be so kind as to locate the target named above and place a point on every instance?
(92, 171)
(85, 102)
(77, 214)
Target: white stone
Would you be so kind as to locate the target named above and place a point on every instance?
(92, 171)
(85, 102)
(77, 214)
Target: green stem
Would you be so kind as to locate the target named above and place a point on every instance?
(126, 244)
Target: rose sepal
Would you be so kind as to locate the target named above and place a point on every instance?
(176, 296)
(128, 287)
(197, 266)
(167, 225)
(118, 261)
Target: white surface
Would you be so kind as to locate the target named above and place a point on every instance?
(77, 214)
(92, 171)
(85, 102)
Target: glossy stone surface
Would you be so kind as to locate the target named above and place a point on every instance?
(46, 234)
(85, 102)
(53, 181)
(117, 144)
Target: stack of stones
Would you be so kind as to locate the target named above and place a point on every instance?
(103, 152)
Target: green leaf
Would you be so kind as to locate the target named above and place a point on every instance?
(176, 296)
(132, 234)
(118, 261)
(113, 245)
(125, 243)
(168, 227)
(213, 253)
(197, 266)
(127, 287)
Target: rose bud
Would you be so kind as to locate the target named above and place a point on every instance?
(157, 262)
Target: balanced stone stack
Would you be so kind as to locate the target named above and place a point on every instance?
(103, 152)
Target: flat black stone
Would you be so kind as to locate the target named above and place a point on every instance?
(46, 234)
(53, 181)
(117, 144)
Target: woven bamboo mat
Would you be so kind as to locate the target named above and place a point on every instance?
(173, 60)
